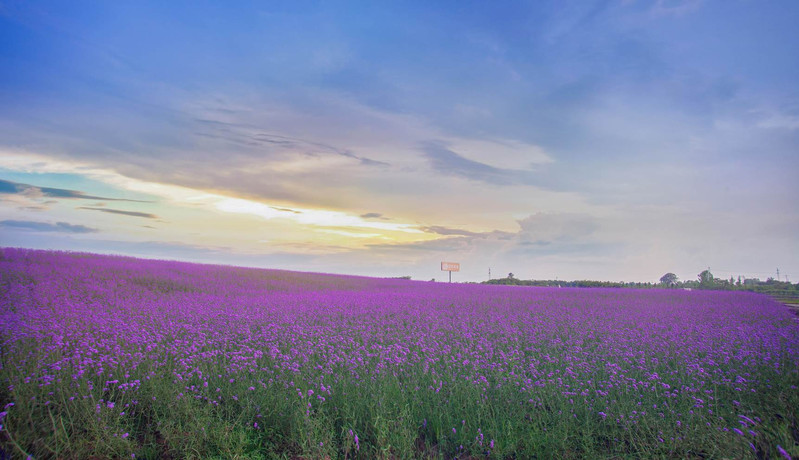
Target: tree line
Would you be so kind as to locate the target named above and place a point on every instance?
(705, 280)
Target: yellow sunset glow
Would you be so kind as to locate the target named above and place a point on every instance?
(184, 207)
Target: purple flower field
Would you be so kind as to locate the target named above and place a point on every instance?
(117, 357)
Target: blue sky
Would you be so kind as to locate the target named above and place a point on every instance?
(610, 140)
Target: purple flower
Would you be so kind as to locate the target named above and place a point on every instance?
(193, 325)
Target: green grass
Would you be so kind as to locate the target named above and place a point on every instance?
(394, 416)
(199, 369)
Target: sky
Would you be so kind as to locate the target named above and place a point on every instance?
(611, 140)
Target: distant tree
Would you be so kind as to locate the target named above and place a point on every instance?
(669, 279)
(706, 279)
(510, 275)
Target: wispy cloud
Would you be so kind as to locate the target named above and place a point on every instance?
(363, 160)
(446, 161)
(675, 7)
(293, 211)
(145, 215)
(542, 233)
(10, 187)
(439, 230)
(251, 137)
(547, 228)
(61, 227)
(443, 245)
(780, 121)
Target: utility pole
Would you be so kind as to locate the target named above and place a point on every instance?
(778, 273)
(489, 273)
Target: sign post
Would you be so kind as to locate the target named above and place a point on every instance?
(450, 267)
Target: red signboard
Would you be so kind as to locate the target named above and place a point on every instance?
(450, 267)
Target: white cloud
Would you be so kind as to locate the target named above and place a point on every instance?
(506, 154)
(780, 121)
(316, 217)
(556, 227)
(675, 7)
(27, 162)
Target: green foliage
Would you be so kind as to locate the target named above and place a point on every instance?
(782, 291)
(706, 280)
(385, 413)
(669, 279)
(557, 283)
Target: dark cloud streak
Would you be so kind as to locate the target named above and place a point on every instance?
(61, 227)
(16, 188)
(538, 234)
(146, 215)
(445, 161)
(439, 230)
(241, 134)
(294, 211)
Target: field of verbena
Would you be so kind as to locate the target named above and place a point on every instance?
(110, 357)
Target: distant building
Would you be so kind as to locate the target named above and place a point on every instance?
(751, 281)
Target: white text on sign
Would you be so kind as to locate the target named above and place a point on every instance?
(450, 267)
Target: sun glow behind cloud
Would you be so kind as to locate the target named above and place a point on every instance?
(316, 217)
(342, 229)
(607, 140)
